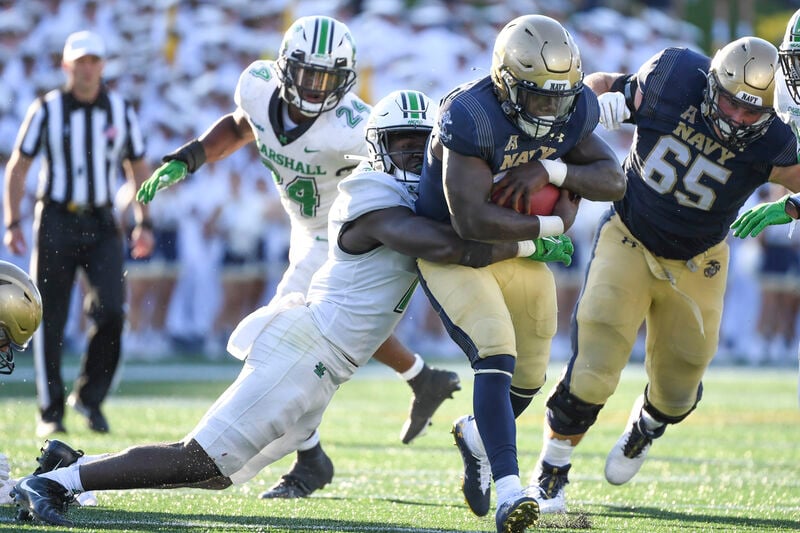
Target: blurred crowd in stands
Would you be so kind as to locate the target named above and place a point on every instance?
(222, 235)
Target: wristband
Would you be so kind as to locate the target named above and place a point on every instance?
(556, 171)
(191, 153)
(794, 202)
(13, 224)
(550, 226)
(526, 248)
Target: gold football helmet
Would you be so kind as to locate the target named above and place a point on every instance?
(789, 54)
(20, 313)
(536, 70)
(743, 72)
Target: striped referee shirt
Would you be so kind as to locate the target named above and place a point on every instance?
(83, 145)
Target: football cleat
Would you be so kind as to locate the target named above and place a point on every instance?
(628, 454)
(476, 484)
(431, 388)
(515, 516)
(547, 486)
(55, 454)
(43, 499)
(310, 472)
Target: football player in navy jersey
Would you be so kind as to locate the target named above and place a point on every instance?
(532, 110)
(705, 139)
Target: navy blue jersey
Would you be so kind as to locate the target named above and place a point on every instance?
(472, 123)
(684, 187)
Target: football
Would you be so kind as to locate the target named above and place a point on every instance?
(541, 202)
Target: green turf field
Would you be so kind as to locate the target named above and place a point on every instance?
(734, 465)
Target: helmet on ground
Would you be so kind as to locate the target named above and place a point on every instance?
(401, 114)
(789, 54)
(316, 64)
(743, 73)
(536, 71)
(20, 313)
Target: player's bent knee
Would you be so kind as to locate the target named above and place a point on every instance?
(569, 415)
(670, 419)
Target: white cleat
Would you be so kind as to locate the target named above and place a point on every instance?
(628, 454)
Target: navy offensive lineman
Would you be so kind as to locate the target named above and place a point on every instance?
(705, 139)
(298, 352)
(303, 118)
(531, 111)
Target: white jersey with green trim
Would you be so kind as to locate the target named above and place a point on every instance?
(356, 300)
(786, 108)
(307, 162)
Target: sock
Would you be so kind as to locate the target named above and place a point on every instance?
(507, 487)
(415, 369)
(69, 477)
(310, 442)
(650, 423)
(556, 452)
(493, 414)
(90, 458)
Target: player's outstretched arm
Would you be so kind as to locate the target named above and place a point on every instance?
(754, 220)
(403, 231)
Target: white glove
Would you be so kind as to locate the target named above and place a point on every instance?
(6, 483)
(613, 110)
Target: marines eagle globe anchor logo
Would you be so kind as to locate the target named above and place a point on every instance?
(711, 269)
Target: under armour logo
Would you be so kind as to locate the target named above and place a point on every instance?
(320, 370)
(711, 269)
(629, 242)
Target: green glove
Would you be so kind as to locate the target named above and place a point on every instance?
(553, 249)
(167, 174)
(753, 221)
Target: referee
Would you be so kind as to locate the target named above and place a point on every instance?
(85, 134)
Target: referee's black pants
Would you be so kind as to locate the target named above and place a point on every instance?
(67, 240)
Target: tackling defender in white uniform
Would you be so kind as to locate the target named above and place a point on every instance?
(303, 119)
(298, 352)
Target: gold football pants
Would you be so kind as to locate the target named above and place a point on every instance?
(680, 302)
(504, 308)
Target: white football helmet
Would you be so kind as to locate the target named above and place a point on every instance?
(743, 72)
(316, 64)
(20, 313)
(402, 114)
(536, 70)
(789, 54)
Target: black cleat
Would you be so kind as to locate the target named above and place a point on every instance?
(43, 499)
(55, 454)
(312, 470)
(431, 388)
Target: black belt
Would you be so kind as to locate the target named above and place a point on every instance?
(78, 209)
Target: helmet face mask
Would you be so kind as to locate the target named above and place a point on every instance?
(316, 64)
(536, 71)
(741, 78)
(789, 55)
(6, 353)
(397, 130)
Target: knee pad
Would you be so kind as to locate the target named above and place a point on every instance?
(569, 415)
(667, 419)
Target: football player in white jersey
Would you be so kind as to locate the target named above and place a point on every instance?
(303, 118)
(297, 351)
